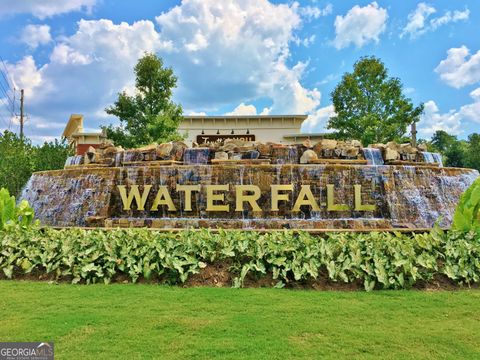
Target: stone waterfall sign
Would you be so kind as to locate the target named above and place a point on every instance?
(268, 196)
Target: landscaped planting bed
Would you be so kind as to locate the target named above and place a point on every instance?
(374, 260)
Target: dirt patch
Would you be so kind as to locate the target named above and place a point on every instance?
(216, 275)
(325, 284)
(222, 275)
(441, 282)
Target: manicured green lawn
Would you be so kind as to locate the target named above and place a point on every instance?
(151, 321)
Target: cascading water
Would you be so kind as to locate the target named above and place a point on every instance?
(431, 158)
(74, 160)
(285, 155)
(119, 159)
(373, 156)
(196, 156)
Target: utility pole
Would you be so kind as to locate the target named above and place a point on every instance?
(414, 134)
(21, 114)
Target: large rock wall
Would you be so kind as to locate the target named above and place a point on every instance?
(404, 196)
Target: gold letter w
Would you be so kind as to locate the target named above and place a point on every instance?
(134, 194)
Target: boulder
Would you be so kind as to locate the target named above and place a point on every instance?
(244, 148)
(91, 150)
(164, 151)
(147, 148)
(328, 144)
(264, 149)
(234, 156)
(422, 147)
(308, 156)
(350, 152)
(356, 143)
(377, 146)
(318, 148)
(228, 146)
(392, 145)
(251, 155)
(307, 143)
(178, 150)
(106, 144)
(408, 149)
(391, 154)
(221, 155)
(110, 150)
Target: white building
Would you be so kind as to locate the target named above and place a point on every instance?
(283, 129)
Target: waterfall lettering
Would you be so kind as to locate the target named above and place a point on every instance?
(244, 195)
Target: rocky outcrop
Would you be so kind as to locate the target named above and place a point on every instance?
(306, 152)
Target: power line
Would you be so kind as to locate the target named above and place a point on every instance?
(7, 107)
(6, 72)
(4, 77)
(5, 92)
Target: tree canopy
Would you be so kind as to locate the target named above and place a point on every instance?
(150, 115)
(370, 105)
(19, 159)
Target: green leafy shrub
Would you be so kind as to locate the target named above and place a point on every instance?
(377, 260)
(12, 214)
(467, 214)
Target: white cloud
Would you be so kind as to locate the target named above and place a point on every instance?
(25, 75)
(318, 120)
(417, 19)
(472, 111)
(418, 22)
(305, 41)
(35, 35)
(44, 8)
(460, 68)
(451, 121)
(314, 12)
(243, 109)
(223, 52)
(450, 17)
(85, 72)
(360, 26)
(242, 54)
(432, 120)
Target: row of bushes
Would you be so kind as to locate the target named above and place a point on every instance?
(378, 260)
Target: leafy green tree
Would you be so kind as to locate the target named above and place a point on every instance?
(473, 151)
(16, 162)
(453, 150)
(455, 154)
(19, 159)
(442, 141)
(51, 155)
(370, 105)
(150, 115)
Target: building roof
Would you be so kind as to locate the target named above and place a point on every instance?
(234, 117)
(74, 125)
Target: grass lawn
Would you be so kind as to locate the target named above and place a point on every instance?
(151, 321)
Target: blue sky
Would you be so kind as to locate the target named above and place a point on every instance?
(236, 57)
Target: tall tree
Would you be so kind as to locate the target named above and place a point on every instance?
(473, 151)
(453, 150)
(442, 141)
(150, 115)
(16, 161)
(370, 105)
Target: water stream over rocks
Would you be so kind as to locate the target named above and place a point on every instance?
(404, 196)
